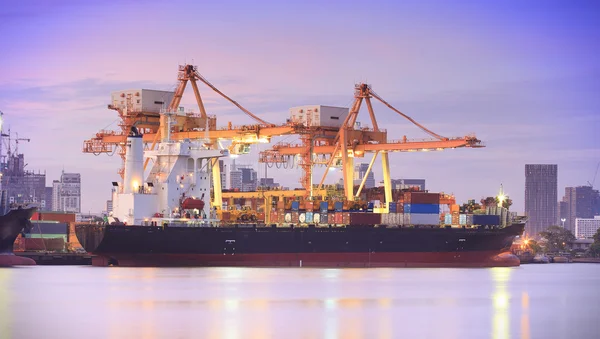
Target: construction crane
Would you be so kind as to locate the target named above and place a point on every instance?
(349, 143)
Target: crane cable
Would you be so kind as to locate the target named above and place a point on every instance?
(437, 136)
(207, 83)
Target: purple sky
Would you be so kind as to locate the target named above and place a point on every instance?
(523, 75)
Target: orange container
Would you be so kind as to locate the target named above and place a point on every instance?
(338, 218)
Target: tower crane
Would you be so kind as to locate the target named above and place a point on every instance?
(349, 143)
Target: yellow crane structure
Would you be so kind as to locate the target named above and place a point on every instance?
(349, 142)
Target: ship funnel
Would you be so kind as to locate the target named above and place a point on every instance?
(134, 163)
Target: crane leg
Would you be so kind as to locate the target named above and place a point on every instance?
(218, 194)
(387, 182)
(362, 183)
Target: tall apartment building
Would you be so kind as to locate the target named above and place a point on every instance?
(66, 193)
(360, 171)
(541, 192)
(579, 202)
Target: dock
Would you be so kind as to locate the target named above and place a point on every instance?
(53, 258)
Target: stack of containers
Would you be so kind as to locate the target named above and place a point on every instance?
(448, 219)
(421, 208)
(323, 219)
(462, 219)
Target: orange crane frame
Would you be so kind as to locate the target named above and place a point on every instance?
(350, 142)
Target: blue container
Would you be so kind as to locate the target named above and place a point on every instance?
(422, 208)
(338, 206)
(370, 207)
(309, 217)
(295, 205)
(324, 206)
(486, 220)
(392, 207)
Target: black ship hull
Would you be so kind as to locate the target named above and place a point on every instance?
(350, 246)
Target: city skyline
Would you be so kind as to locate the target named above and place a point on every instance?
(473, 71)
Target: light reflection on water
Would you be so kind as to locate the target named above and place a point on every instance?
(548, 301)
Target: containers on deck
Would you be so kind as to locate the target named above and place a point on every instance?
(365, 219)
(323, 207)
(295, 205)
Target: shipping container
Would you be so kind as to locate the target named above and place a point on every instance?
(49, 227)
(469, 219)
(486, 220)
(288, 217)
(318, 115)
(280, 204)
(421, 198)
(309, 217)
(346, 218)
(54, 216)
(422, 219)
(273, 217)
(323, 207)
(280, 217)
(400, 218)
(295, 217)
(421, 208)
(39, 244)
(317, 217)
(308, 205)
(455, 208)
(302, 217)
(339, 218)
(462, 219)
(365, 219)
(399, 207)
(331, 218)
(448, 219)
(392, 207)
(338, 206)
(295, 205)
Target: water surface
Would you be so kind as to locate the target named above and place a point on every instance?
(531, 301)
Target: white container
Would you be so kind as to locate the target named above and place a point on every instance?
(400, 218)
(142, 100)
(422, 219)
(319, 115)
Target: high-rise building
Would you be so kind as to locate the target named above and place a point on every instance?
(268, 183)
(360, 171)
(243, 178)
(408, 184)
(586, 228)
(541, 191)
(48, 203)
(579, 202)
(20, 185)
(67, 193)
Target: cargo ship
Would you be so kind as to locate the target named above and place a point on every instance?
(166, 219)
(11, 225)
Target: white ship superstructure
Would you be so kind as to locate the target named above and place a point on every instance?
(177, 188)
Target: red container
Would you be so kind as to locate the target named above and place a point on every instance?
(421, 198)
(346, 218)
(274, 217)
(365, 218)
(308, 205)
(260, 216)
(280, 205)
(338, 218)
(54, 216)
(399, 208)
(295, 217)
(331, 218)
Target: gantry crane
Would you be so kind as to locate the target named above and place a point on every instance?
(349, 143)
(186, 126)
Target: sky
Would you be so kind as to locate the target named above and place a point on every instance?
(523, 76)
